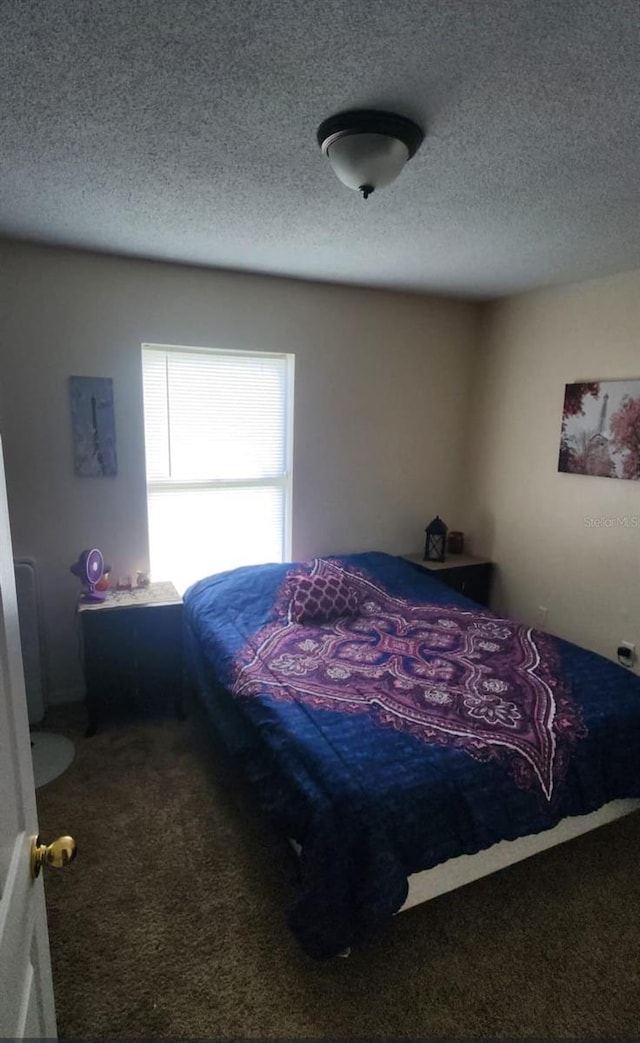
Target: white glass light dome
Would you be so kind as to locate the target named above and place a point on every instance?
(360, 160)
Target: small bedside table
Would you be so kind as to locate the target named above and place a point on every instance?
(465, 573)
(132, 650)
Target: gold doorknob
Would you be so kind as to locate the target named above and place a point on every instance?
(57, 854)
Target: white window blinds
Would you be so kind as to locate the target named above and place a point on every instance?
(218, 453)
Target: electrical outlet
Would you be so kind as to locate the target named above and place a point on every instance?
(543, 613)
(627, 654)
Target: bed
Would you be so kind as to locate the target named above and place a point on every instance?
(405, 740)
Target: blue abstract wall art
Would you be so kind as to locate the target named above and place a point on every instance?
(93, 427)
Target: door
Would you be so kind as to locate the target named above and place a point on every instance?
(26, 992)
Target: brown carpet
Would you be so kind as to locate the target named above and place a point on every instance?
(171, 921)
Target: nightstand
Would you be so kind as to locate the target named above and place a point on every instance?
(132, 651)
(465, 573)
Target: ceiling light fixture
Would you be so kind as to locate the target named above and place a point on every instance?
(368, 149)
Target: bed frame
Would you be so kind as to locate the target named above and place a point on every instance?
(463, 870)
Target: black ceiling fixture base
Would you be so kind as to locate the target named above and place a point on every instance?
(370, 121)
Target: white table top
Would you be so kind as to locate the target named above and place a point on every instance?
(137, 597)
(452, 561)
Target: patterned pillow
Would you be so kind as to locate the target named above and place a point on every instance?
(322, 595)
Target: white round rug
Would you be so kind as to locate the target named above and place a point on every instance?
(52, 754)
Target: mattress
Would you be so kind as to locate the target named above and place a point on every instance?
(411, 730)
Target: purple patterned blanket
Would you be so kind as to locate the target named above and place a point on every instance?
(445, 674)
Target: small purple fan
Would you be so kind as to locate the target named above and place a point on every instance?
(89, 568)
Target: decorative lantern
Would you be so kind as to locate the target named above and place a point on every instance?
(436, 532)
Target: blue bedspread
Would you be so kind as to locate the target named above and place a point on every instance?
(416, 729)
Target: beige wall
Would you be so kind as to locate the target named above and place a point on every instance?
(382, 381)
(521, 511)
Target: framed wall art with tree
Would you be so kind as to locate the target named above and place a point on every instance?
(600, 432)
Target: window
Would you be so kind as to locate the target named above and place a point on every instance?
(218, 438)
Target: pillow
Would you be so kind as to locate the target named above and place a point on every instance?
(321, 596)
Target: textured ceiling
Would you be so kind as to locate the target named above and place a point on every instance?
(185, 130)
